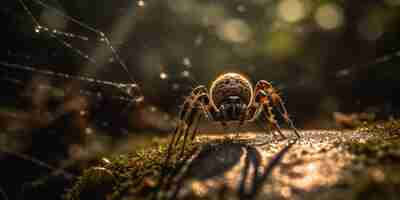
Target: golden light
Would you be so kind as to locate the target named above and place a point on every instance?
(291, 10)
(329, 16)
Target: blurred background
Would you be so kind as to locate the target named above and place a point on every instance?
(335, 63)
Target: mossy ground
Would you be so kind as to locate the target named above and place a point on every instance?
(376, 161)
(353, 164)
(133, 175)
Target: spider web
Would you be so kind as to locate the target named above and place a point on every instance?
(22, 69)
(63, 38)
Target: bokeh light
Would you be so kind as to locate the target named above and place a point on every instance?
(291, 10)
(141, 3)
(329, 16)
(234, 30)
(163, 75)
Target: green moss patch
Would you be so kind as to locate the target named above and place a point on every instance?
(128, 175)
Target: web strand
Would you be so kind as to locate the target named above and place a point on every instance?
(54, 33)
(129, 89)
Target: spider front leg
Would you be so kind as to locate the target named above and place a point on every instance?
(277, 101)
(269, 115)
(269, 98)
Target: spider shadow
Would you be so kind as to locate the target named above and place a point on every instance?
(259, 175)
(213, 160)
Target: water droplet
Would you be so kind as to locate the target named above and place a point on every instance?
(163, 75)
(38, 29)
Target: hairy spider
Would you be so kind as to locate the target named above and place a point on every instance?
(231, 98)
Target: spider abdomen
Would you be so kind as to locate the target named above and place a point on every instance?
(231, 93)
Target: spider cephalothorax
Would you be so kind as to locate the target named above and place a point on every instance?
(231, 98)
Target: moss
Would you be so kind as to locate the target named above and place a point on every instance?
(136, 174)
(375, 173)
(96, 183)
(382, 128)
(382, 146)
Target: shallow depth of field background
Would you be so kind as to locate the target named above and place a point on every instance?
(324, 56)
(320, 54)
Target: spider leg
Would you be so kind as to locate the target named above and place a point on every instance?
(179, 127)
(188, 116)
(265, 94)
(193, 117)
(267, 111)
(199, 89)
(196, 126)
(261, 122)
(283, 112)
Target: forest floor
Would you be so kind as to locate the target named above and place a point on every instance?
(323, 164)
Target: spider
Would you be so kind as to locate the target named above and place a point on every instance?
(231, 97)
